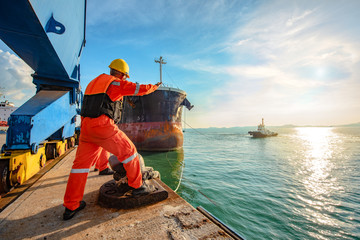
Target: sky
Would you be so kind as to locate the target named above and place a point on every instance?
(289, 62)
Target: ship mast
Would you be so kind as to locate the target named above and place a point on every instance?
(161, 62)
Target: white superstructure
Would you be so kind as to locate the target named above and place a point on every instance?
(6, 108)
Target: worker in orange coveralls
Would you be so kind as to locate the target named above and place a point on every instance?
(100, 112)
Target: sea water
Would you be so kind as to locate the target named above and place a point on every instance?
(302, 184)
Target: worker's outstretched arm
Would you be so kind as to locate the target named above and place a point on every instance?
(127, 88)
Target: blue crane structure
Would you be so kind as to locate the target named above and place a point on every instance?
(49, 36)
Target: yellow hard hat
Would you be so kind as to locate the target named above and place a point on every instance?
(121, 66)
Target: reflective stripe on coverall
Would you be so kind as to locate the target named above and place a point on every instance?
(102, 133)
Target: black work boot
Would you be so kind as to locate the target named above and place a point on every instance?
(68, 214)
(144, 189)
(106, 171)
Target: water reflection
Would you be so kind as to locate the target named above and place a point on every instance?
(318, 146)
(169, 164)
(317, 155)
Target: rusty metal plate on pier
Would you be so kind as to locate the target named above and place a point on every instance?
(114, 197)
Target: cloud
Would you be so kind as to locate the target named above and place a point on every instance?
(295, 19)
(295, 63)
(16, 79)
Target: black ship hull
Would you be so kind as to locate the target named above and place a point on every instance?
(153, 122)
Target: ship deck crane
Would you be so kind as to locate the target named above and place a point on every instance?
(48, 36)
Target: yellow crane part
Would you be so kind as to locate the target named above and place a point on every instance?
(18, 166)
(23, 165)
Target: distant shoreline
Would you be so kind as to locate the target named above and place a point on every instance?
(289, 126)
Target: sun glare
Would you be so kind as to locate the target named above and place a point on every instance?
(317, 150)
(320, 72)
(318, 145)
(317, 142)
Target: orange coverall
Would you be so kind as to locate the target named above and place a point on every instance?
(102, 162)
(102, 133)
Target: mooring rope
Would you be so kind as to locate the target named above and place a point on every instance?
(197, 130)
(182, 170)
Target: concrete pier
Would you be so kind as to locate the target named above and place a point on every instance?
(37, 214)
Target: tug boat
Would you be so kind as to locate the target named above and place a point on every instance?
(262, 132)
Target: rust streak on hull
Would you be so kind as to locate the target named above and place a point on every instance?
(154, 136)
